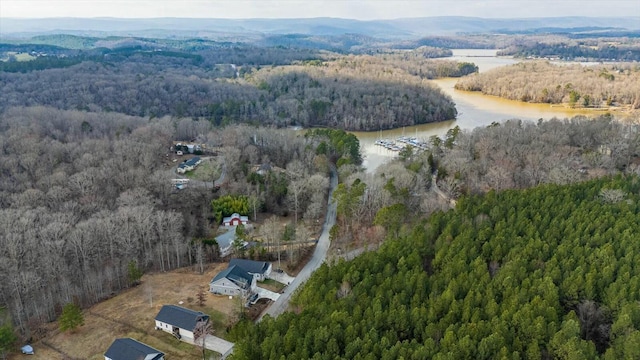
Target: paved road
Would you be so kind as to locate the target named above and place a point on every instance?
(319, 255)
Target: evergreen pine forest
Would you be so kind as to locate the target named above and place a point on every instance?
(550, 272)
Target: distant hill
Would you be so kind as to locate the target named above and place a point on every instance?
(216, 28)
(448, 25)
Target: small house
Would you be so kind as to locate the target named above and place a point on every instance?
(225, 242)
(180, 322)
(260, 270)
(235, 219)
(189, 165)
(129, 349)
(233, 280)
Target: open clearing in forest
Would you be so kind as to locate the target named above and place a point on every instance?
(132, 313)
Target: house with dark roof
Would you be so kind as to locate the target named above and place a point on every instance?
(189, 165)
(129, 349)
(179, 321)
(259, 269)
(233, 280)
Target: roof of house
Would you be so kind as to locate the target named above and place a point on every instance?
(129, 349)
(235, 215)
(180, 317)
(192, 161)
(250, 266)
(225, 240)
(237, 275)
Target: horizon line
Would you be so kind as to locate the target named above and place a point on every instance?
(315, 17)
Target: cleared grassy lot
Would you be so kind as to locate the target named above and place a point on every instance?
(131, 314)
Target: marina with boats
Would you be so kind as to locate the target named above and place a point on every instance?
(474, 110)
(402, 142)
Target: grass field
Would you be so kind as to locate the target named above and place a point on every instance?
(132, 313)
(208, 170)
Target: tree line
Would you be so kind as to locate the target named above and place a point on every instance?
(518, 154)
(352, 93)
(511, 155)
(572, 84)
(581, 50)
(418, 62)
(541, 273)
(260, 49)
(79, 196)
(88, 205)
(355, 92)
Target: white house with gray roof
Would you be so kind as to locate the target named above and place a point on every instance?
(130, 349)
(189, 165)
(259, 269)
(233, 280)
(179, 321)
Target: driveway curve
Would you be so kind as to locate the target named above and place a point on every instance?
(319, 255)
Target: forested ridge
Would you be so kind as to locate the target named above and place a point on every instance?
(354, 93)
(594, 49)
(575, 85)
(548, 272)
(347, 92)
(346, 43)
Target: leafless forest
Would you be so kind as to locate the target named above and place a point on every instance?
(85, 194)
(353, 92)
(358, 92)
(576, 85)
(617, 45)
(518, 154)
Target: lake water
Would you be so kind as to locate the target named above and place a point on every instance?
(474, 109)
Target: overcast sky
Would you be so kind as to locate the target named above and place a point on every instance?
(353, 9)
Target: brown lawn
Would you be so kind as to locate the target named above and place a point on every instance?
(132, 313)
